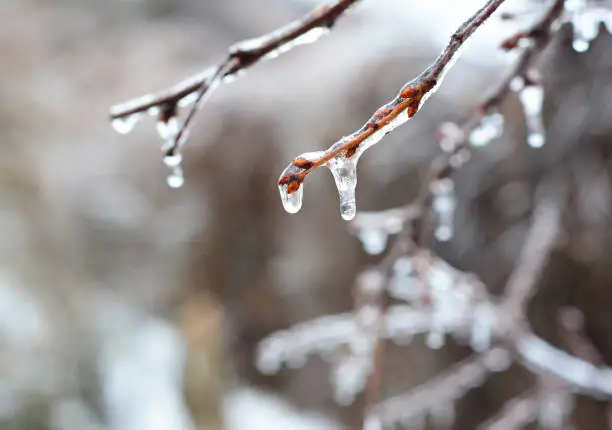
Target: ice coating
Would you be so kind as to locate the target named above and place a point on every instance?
(344, 171)
(125, 124)
(292, 202)
(585, 20)
(532, 99)
(443, 205)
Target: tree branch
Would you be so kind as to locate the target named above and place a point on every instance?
(240, 56)
(403, 107)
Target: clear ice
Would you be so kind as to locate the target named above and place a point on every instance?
(291, 202)
(125, 124)
(344, 171)
(532, 99)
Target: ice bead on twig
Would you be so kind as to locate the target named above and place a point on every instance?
(585, 24)
(126, 124)
(168, 127)
(531, 97)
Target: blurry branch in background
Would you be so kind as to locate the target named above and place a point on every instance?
(193, 91)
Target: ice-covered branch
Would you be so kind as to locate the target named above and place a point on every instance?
(540, 240)
(342, 157)
(436, 398)
(516, 413)
(193, 91)
(542, 357)
(485, 124)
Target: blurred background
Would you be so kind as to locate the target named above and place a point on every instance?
(127, 305)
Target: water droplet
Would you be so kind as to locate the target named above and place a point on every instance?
(344, 171)
(374, 241)
(291, 202)
(125, 124)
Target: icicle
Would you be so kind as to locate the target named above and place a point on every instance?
(125, 124)
(374, 240)
(585, 23)
(291, 202)
(176, 178)
(344, 171)
(168, 131)
(491, 127)
(532, 99)
(443, 204)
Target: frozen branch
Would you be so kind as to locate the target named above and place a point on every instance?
(342, 157)
(440, 393)
(484, 124)
(540, 240)
(194, 91)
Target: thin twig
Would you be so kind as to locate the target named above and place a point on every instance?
(240, 56)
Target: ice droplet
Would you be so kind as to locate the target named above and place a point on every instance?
(532, 99)
(173, 160)
(444, 204)
(344, 171)
(374, 241)
(124, 125)
(580, 45)
(291, 202)
(167, 130)
(176, 178)
(536, 140)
